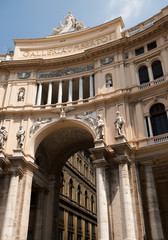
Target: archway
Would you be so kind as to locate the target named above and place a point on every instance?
(64, 139)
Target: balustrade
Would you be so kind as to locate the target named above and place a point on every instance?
(65, 91)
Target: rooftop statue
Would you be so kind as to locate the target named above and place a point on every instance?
(71, 24)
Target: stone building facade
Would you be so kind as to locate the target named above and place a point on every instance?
(101, 89)
(75, 217)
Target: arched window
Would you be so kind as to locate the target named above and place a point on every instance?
(70, 188)
(143, 75)
(79, 194)
(61, 182)
(157, 69)
(86, 197)
(92, 203)
(159, 120)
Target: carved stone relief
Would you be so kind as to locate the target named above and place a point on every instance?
(66, 71)
(23, 75)
(37, 124)
(107, 60)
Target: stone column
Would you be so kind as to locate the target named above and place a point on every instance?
(150, 74)
(91, 85)
(137, 78)
(10, 210)
(49, 210)
(49, 98)
(80, 88)
(60, 92)
(35, 95)
(39, 94)
(150, 126)
(167, 113)
(39, 216)
(126, 202)
(70, 91)
(25, 204)
(153, 208)
(102, 207)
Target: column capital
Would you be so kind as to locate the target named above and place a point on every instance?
(122, 159)
(148, 162)
(99, 163)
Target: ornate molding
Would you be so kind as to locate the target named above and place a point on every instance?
(66, 71)
(106, 60)
(23, 75)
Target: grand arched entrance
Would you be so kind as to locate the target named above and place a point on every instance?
(65, 139)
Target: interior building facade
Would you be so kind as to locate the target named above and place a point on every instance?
(75, 215)
(101, 89)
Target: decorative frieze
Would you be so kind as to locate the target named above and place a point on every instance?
(23, 75)
(88, 117)
(106, 60)
(37, 123)
(66, 71)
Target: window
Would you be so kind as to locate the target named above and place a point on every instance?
(157, 69)
(70, 236)
(139, 51)
(92, 203)
(61, 182)
(143, 75)
(70, 219)
(151, 45)
(79, 193)
(70, 188)
(86, 197)
(79, 224)
(61, 215)
(159, 119)
(60, 234)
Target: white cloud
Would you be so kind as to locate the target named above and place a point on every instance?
(127, 9)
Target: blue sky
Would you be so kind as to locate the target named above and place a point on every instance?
(36, 18)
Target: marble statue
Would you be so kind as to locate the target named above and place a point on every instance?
(3, 136)
(21, 95)
(109, 82)
(99, 128)
(20, 137)
(71, 24)
(119, 123)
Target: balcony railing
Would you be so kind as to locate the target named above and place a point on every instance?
(152, 83)
(161, 139)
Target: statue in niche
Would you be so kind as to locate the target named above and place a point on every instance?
(20, 137)
(119, 123)
(21, 95)
(109, 82)
(99, 128)
(3, 136)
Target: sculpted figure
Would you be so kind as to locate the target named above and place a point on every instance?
(109, 82)
(21, 95)
(3, 136)
(20, 137)
(99, 128)
(37, 124)
(69, 19)
(119, 123)
(58, 29)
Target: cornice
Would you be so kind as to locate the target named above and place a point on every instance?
(90, 54)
